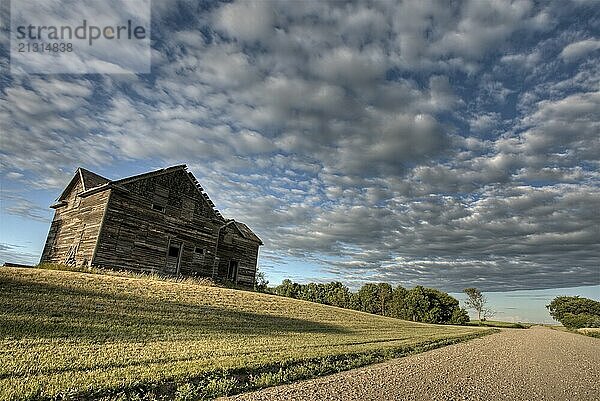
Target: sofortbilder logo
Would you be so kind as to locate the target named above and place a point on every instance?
(80, 36)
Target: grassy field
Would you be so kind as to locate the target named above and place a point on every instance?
(70, 335)
(496, 323)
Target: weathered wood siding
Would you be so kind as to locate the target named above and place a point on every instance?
(233, 246)
(74, 230)
(135, 236)
(130, 224)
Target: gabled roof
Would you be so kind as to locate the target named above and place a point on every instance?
(91, 180)
(154, 173)
(247, 232)
(88, 181)
(171, 169)
(244, 230)
(93, 183)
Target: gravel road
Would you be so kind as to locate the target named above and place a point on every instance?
(515, 364)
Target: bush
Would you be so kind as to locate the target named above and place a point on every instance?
(575, 312)
(579, 321)
(261, 284)
(459, 316)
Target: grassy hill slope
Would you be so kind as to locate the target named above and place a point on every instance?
(76, 335)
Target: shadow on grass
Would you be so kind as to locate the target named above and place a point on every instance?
(36, 310)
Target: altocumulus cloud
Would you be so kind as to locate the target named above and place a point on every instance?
(416, 143)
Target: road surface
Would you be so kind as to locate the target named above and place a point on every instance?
(515, 364)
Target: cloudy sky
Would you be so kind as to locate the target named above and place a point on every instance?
(435, 143)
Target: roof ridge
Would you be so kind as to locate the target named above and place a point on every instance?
(143, 175)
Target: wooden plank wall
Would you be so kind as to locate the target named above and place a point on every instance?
(233, 246)
(136, 237)
(74, 229)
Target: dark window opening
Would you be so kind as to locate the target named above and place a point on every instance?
(233, 271)
(199, 250)
(174, 251)
(158, 207)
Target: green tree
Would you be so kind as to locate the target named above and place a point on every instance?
(575, 312)
(337, 294)
(397, 306)
(441, 306)
(354, 301)
(477, 301)
(384, 297)
(416, 304)
(459, 316)
(288, 289)
(311, 292)
(419, 304)
(261, 284)
(580, 320)
(368, 298)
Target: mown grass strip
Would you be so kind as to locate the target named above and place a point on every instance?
(235, 381)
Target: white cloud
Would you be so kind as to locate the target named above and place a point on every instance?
(484, 122)
(349, 66)
(483, 24)
(17, 254)
(247, 21)
(579, 49)
(568, 125)
(527, 60)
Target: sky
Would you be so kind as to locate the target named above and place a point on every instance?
(445, 144)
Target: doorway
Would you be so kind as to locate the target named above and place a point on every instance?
(173, 257)
(233, 271)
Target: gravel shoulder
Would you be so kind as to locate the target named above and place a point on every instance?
(515, 364)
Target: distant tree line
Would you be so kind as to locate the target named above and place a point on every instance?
(419, 304)
(575, 312)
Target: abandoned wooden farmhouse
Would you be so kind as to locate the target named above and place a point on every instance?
(161, 222)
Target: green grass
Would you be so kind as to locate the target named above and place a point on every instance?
(72, 335)
(496, 323)
(125, 273)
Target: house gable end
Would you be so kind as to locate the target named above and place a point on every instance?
(247, 232)
(174, 189)
(83, 180)
(243, 230)
(233, 225)
(74, 230)
(76, 184)
(91, 180)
